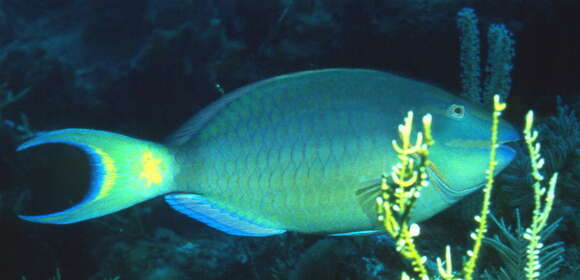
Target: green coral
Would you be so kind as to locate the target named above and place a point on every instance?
(8, 96)
(58, 276)
(501, 52)
(511, 247)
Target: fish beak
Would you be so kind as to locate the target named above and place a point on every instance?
(507, 133)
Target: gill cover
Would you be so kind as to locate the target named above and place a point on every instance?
(463, 132)
(124, 172)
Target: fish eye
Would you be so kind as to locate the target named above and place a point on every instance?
(456, 111)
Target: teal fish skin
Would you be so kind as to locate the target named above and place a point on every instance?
(294, 152)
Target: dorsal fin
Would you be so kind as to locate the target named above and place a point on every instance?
(191, 127)
(194, 125)
(204, 210)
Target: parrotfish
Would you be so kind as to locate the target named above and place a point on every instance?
(300, 152)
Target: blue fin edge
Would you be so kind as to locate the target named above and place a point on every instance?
(97, 176)
(205, 211)
(358, 233)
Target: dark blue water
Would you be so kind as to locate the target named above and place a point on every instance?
(142, 68)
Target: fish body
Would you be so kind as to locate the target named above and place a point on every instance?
(301, 152)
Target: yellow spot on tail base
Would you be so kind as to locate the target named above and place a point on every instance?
(109, 174)
(151, 169)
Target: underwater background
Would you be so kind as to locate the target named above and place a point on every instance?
(142, 68)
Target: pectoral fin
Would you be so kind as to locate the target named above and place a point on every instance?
(366, 196)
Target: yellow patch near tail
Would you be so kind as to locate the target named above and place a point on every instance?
(152, 172)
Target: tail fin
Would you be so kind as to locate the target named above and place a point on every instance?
(125, 171)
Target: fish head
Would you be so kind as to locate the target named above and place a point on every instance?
(462, 133)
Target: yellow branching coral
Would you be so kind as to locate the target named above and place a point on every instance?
(401, 188)
(541, 212)
(479, 234)
(447, 271)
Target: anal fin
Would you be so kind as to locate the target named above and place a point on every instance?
(203, 210)
(359, 233)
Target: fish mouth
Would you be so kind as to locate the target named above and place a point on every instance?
(448, 194)
(504, 154)
(507, 133)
